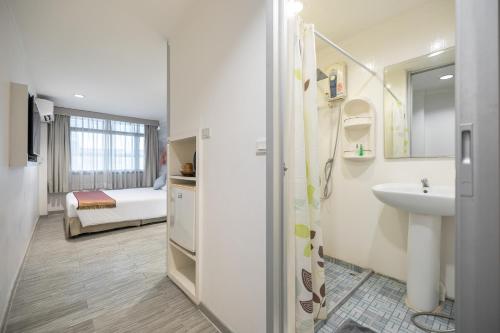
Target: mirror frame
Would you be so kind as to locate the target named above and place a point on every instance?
(387, 90)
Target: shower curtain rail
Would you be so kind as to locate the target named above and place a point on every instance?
(348, 55)
(344, 52)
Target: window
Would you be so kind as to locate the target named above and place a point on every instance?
(106, 145)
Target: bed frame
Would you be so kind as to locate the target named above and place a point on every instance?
(73, 226)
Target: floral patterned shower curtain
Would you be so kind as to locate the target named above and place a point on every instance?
(310, 298)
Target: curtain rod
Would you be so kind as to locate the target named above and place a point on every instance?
(348, 55)
(344, 52)
(99, 115)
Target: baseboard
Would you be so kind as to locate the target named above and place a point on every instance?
(213, 319)
(3, 321)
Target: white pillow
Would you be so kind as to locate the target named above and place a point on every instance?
(160, 182)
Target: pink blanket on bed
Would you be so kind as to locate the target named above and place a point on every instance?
(94, 200)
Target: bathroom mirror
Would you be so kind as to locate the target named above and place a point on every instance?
(419, 106)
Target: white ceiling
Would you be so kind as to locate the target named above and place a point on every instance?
(111, 51)
(430, 80)
(340, 19)
(114, 51)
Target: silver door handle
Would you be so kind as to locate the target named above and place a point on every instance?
(466, 181)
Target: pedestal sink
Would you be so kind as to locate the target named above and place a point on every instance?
(424, 236)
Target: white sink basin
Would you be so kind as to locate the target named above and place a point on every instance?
(439, 201)
(424, 236)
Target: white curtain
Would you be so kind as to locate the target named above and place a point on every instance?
(106, 154)
(58, 155)
(303, 212)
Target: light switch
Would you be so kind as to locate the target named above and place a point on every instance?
(261, 146)
(205, 133)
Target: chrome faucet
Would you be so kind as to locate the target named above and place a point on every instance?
(425, 184)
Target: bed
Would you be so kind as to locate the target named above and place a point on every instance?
(134, 207)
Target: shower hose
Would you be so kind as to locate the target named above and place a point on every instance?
(427, 329)
(327, 189)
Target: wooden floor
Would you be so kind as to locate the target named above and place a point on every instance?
(107, 282)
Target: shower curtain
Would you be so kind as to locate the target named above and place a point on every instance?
(400, 132)
(304, 213)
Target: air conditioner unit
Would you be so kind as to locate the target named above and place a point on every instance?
(45, 109)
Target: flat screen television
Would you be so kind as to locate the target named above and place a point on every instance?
(33, 130)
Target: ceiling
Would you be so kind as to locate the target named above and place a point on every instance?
(111, 51)
(430, 80)
(340, 19)
(114, 51)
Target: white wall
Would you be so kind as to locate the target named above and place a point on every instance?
(219, 81)
(19, 186)
(417, 132)
(434, 131)
(357, 227)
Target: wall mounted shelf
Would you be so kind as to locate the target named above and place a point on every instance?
(353, 156)
(358, 130)
(358, 122)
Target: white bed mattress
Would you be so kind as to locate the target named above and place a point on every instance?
(131, 204)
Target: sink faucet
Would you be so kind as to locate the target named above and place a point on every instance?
(425, 184)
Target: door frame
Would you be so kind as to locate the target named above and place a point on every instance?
(477, 165)
(478, 221)
(275, 83)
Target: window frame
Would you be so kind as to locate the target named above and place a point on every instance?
(110, 132)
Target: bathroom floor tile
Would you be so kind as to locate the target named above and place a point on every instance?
(340, 279)
(379, 304)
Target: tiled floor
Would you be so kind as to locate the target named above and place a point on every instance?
(379, 305)
(340, 279)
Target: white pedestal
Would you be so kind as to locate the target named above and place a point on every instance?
(424, 254)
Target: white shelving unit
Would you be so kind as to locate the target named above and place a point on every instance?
(182, 265)
(358, 130)
(189, 179)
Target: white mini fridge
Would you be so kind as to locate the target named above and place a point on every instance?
(183, 216)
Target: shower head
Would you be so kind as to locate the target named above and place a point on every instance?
(320, 75)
